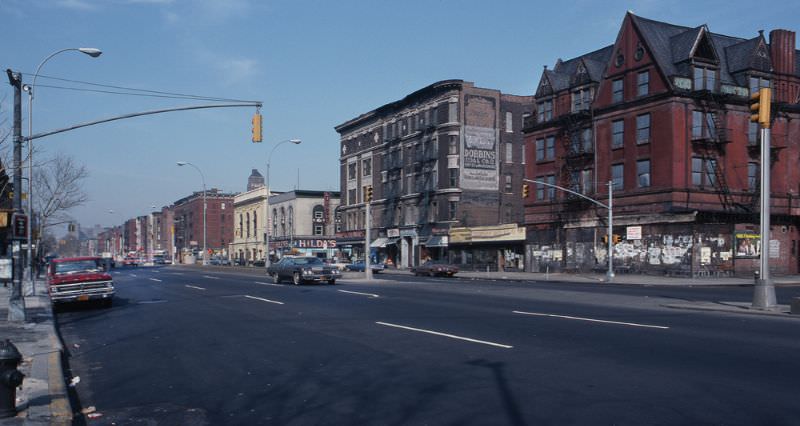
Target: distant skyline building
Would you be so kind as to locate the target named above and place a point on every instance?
(255, 180)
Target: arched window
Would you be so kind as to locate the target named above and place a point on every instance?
(274, 221)
(255, 224)
(283, 222)
(241, 226)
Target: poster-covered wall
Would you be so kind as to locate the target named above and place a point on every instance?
(479, 169)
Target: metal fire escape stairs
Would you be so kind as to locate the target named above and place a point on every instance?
(577, 156)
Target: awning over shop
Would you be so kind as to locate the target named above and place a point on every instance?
(436, 241)
(382, 242)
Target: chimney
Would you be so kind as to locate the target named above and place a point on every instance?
(782, 50)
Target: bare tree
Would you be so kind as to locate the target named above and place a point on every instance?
(58, 185)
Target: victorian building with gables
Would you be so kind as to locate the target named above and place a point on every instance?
(662, 116)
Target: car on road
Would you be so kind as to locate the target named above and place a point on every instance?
(221, 261)
(79, 279)
(360, 265)
(435, 268)
(302, 269)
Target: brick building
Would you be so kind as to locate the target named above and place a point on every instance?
(444, 167)
(188, 223)
(663, 115)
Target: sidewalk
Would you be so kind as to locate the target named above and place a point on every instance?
(42, 399)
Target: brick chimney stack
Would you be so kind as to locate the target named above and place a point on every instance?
(784, 65)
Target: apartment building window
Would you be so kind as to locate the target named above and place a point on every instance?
(509, 152)
(351, 196)
(702, 125)
(752, 176)
(366, 167)
(643, 83)
(752, 134)
(643, 128)
(255, 224)
(581, 181)
(351, 170)
(643, 173)
(523, 153)
(705, 78)
(757, 83)
(703, 171)
(452, 210)
(247, 218)
(452, 112)
(543, 191)
(618, 176)
(509, 122)
(581, 99)
(545, 110)
(508, 188)
(617, 133)
(453, 178)
(617, 90)
(549, 147)
(318, 229)
(452, 147)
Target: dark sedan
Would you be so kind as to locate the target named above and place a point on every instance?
(435, 268)
(302, 269)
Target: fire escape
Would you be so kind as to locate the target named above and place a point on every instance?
(575, 134)
(426, 162)
(709, 138)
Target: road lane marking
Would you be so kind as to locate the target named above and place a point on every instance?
(176, 273)
(272, 284)
(357, 292)
(632, 324)
(195, 287)
(210, 277)
(452, 336)
(133, 275)
(155, 279)
(263, 300)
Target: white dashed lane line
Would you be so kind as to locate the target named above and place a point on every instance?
(263, 300)
(630, 324)
(195, 287)
(451, 336)
(210, 277)
(155, 279)
(272, 284)
(359, 293)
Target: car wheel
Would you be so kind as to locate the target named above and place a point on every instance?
(296, 278)
(276, 279)
(331, 282)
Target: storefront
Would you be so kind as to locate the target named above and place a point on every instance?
(492, 248)
(349, 245)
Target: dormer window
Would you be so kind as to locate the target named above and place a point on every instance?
(545, 109)
(705, 78)
(581, 99)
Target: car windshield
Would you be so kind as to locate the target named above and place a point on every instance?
(308, 261)
(74, 267)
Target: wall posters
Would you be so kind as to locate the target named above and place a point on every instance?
(479, 165)
(748, 244)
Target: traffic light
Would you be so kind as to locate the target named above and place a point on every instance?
(605, 239)
(526, 189)
(368, 194)
(256, 127)
(760, 103)
(616, 238)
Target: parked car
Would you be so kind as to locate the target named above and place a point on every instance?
(221, 261)
(79, 279)
(435, 268)
(259, 262)
(359, 266)
(302, 269)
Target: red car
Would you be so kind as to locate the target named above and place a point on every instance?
(435, 268)
(79, 279)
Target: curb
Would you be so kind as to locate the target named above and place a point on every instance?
(782, 311)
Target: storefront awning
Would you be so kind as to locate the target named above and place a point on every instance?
(382, 242)
(436, 241)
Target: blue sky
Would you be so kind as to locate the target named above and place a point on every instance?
(314, 64)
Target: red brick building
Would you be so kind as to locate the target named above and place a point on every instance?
(663, 115)
(187, 219)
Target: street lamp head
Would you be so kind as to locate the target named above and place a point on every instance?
(91, 51)
(182, 163)
(295, 141)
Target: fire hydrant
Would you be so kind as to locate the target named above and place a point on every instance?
(10, 378)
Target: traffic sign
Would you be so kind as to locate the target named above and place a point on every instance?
(19, 222)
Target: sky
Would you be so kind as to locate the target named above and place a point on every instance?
(313, 65)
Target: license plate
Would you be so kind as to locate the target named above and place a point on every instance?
(83, 298)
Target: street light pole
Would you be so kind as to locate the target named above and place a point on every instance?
(203, 178)
(266, 200)
(88, 51)
(609, 206)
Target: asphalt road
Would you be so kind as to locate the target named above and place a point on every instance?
(185, 346)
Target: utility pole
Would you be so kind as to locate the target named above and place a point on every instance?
(367, 248)
(764, 291)
(16, 304)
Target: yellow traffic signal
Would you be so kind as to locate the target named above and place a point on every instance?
(368, 195)
(526, 189)
(616, 238)
(760, 103)
(257, 127)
